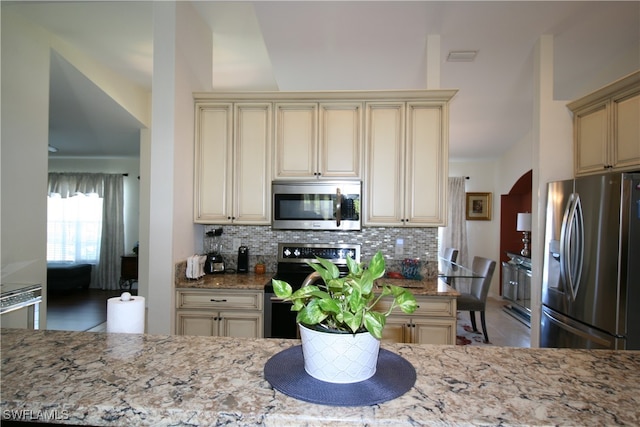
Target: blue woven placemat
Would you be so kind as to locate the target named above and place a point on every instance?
(394, 376)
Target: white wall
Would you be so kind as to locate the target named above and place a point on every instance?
(548, 150)
(483, 236)
(552, 159)
(128, 165)
(514, 163)
(25, 129)
(178, 72)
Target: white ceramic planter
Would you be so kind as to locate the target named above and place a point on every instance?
(339, 358)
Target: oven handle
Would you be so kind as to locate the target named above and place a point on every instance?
(338, 207)
(277, 299)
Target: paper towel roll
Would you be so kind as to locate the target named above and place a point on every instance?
(125, 315)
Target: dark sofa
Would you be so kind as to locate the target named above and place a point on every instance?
(67, 276)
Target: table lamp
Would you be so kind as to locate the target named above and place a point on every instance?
(524, 225)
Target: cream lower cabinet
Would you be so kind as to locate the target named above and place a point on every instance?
(228, 313)
(433, 322)
(407, 156)
(606, 128)
(318, 140)
(232, 163)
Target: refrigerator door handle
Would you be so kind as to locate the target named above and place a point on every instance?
(572, 245)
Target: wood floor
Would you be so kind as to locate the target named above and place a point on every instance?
(78, 310)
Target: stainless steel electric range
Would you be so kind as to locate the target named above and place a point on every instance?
(293, 268)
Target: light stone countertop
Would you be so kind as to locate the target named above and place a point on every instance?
(251, 281)
(129, 380)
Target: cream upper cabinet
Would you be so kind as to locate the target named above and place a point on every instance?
(232, 163)
(385, 148)
(606, 127)
(252, 164)
(626, 130)
(321, 140)
(407, 163)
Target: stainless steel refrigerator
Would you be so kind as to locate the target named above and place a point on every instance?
(591, 272)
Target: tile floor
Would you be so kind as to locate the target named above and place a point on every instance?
(503, 329)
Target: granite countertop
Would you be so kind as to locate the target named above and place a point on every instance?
(251, 281)
(126, 379)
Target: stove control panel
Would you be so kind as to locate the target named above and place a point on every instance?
(303, 252)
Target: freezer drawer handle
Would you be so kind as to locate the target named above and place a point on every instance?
(553, 319)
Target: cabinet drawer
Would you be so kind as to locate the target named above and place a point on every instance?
(244, 300)
(429, 306)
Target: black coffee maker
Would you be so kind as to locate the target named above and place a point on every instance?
(243, 259)
(214, 263)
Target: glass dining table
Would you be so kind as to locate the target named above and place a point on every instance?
(450, 271)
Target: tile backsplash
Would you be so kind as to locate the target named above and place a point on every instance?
(262, 242)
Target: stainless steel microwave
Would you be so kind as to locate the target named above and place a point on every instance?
(316, 205)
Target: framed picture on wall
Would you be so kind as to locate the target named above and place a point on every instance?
(478, 206)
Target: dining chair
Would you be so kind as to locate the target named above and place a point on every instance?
(476, 299)
(450, 254)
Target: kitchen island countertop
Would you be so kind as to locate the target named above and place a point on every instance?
(127, 379)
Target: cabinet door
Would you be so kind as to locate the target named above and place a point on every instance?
(252, 174)
(626, 131)
(509, 281)
(396, 330)
(340, 140)
(196, 323)
(240, 324)
(591, 139)
(434, 331)
(213, 155)
(296, 143)
(427, 160)
(384, 186)
(524, 288)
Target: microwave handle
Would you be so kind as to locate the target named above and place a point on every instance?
(338, 207)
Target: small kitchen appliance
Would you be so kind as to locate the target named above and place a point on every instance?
(214, 263)
(279, 320)
(316, 205)
(243, 259)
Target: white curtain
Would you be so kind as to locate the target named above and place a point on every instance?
(110, 188)
(454, 235)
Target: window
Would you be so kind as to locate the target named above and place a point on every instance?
(74, 228)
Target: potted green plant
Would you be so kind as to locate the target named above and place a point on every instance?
(343, 309)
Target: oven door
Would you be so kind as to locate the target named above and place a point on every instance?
(327, 205)
(279, 320)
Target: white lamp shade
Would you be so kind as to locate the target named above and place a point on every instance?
(524, 222)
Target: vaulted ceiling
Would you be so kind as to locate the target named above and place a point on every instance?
(342, 45)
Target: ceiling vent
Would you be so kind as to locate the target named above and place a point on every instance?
(462, 56)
